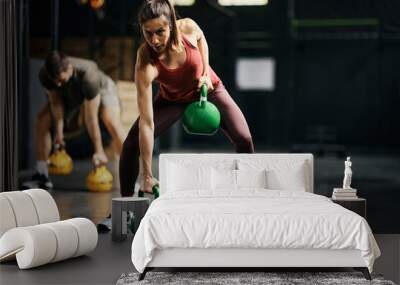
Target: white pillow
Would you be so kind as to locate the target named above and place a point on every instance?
(292, 179)
(223, 179)
(283, 174)
(251, 178)
(183, 177)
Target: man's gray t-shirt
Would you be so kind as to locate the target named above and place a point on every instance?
(85, 83)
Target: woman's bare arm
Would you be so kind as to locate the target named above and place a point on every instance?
(145, 73)
(191, 29)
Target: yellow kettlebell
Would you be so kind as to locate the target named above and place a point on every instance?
(60, 163)
(99, 179)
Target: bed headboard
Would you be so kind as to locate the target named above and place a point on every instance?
(231, 160)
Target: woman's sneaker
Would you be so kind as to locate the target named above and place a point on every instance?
(38, 181)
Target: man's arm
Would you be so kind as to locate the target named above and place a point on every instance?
(91, 111)
(144, 75)
(57, 111)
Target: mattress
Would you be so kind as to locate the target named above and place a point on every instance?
(251, 219)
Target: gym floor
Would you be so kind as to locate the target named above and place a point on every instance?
(372, 174)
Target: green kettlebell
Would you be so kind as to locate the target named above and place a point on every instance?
(203, 117)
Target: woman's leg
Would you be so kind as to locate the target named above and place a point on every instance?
(233, 123)
(165, 115)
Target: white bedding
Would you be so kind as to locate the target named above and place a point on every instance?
(250, 218)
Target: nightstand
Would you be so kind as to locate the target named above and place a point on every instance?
(357, 205)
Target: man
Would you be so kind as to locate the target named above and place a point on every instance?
(73, 86)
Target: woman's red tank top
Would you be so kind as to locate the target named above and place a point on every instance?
(179, 84)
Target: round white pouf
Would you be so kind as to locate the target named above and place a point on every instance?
(40, 244)
(31, 232)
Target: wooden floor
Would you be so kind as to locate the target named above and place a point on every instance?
(74, 200)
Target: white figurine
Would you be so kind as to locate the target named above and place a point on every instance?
(347, 174)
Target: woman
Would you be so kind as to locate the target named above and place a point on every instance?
(175, 54)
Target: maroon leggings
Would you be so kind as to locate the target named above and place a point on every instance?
(166, 113)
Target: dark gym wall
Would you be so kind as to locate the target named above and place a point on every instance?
(339, 82)
(342, 80)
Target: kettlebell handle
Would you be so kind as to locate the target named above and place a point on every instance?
(58, 147)
(203, 94)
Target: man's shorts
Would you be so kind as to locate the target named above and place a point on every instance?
(109, 94)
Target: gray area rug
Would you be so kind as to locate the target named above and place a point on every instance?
(269, 278)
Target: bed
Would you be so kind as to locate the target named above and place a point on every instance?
(247, 210)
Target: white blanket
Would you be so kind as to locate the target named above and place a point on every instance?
(251, 218)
